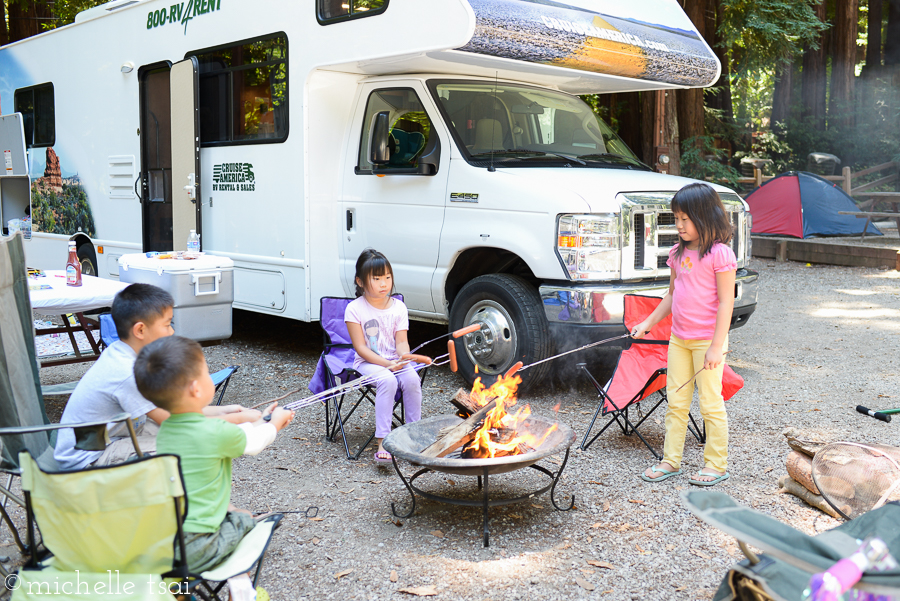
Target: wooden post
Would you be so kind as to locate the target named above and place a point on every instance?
(757, 175)
(847, 180)
(781, 253)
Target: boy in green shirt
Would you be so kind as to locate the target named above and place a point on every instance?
(172, 373)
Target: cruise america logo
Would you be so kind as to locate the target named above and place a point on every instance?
(233, 177)
(182, 13)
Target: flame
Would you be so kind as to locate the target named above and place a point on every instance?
(499, 419)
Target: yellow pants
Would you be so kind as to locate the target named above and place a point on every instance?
(686, 357)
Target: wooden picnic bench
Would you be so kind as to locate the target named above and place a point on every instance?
(892, 198)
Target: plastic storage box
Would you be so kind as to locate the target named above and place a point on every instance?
(203, 289)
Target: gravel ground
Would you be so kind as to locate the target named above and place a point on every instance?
(823, 339)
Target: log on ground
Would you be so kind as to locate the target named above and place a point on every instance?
(789, 485)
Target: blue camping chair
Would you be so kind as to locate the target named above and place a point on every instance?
(335, 367)
(220, 379)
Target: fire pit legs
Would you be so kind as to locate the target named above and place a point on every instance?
(487, 503)
(484, 485)
(556, 481)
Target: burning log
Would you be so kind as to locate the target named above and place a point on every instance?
(462, 400)
(461, 434)
(799, 467)
(499, 436)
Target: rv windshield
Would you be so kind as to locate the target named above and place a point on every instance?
(522, 126)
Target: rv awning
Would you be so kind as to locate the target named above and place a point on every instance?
(578, 46)
(650, 40)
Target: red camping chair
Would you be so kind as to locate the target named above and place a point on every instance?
(641, 372)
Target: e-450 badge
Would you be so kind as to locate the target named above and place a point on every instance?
(463, 197)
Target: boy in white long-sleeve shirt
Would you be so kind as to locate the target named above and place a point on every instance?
(172, 373)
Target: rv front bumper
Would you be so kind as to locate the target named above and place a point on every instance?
(601, 306)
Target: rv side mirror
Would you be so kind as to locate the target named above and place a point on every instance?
(379, 153)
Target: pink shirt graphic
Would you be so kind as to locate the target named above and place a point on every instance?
(696, 297)
(379, 327)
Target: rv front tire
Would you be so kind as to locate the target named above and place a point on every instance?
(514, 328)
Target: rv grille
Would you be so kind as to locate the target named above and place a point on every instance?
(668, 240)
(736, 234)
(639, 241)
(667, 237)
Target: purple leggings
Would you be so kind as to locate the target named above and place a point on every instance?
(386, 383)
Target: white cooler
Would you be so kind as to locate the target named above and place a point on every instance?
(203, 289)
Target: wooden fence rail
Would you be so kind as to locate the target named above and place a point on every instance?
(846, 179)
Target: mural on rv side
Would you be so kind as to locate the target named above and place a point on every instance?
(59, 205)
(59, 202)
(584, 35)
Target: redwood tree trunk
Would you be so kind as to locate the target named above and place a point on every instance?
(26, 18)
(892, 36)
(813, 80)
(721, 98)
(648, 109)
(873, 38)
(670, 133)
(781, 95)
(843, 63)
(690, 102)
(4, 34)
(628, 112)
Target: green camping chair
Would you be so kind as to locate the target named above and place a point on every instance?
(23, 420)
(121, 522)
(791, 557)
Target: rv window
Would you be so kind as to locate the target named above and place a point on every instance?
(37, 108)
(333, 11)
(410, 129)
(244, 92)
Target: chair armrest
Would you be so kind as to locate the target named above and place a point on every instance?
(49, 427)
(89, 436)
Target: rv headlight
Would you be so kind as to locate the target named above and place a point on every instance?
(589, 246)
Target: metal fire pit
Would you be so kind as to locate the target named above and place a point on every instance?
(407, 442)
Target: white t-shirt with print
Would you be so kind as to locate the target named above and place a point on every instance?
(380, 327)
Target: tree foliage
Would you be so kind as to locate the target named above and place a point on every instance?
(65, 11)
(762, 32)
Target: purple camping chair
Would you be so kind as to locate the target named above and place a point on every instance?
(335, 367)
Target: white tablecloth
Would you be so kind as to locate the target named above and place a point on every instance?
(93, 293)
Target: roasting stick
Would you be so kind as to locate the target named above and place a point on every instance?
(456, 334)
(580, 348)
(366, 380)
(346, 387)
(695, 375)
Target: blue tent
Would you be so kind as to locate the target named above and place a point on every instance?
(804, 205)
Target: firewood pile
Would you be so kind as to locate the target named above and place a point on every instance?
(799, 481)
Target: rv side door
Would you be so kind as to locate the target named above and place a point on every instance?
(185, 110)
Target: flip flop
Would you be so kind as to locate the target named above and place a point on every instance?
(718, 479)
(382, 459)
(655, 469)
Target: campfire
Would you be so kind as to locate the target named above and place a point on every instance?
(490, 430)
(495, 437)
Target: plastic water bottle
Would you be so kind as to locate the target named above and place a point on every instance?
(193, 244)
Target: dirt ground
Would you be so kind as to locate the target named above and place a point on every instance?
(823, 339)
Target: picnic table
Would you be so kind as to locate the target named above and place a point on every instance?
(51, 296)
(891, 198)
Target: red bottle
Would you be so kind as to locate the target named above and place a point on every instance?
(73, 267)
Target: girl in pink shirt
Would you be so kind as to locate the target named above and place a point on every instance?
(701, 299)
(378, 323)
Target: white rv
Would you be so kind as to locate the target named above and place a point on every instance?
(293, 135)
